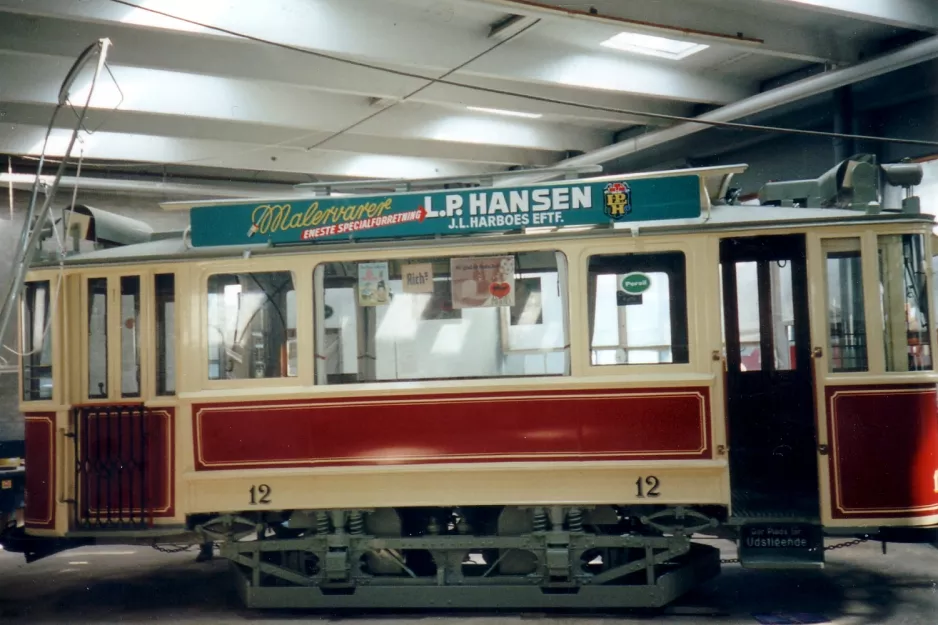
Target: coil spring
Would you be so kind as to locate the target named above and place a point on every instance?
(575, 520)
(322, 522)
(356, 523)
(540, 520)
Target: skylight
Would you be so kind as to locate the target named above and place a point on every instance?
(508, 113)
(654, 46)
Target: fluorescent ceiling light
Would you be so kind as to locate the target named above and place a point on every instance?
(482, 109)
(654, 46)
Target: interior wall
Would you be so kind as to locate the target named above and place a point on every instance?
(786, 158)
(793, 157)
(914, 120)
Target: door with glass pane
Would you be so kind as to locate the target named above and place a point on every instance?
(120, 472)
(770, 394)
(112, 345)
(876, 393)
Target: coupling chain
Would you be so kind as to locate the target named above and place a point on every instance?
(849, 543)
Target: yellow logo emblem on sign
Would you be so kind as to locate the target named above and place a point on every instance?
(617, 200)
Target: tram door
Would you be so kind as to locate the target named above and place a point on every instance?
(769, 383)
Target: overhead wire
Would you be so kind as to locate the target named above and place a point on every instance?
(431, 82)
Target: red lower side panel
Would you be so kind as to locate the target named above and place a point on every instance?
(884, 450)
(537, 425)
(129, 464)
(40, 470)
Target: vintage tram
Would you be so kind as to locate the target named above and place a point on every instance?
(488, 396)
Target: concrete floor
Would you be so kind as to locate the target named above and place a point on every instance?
(139, 584)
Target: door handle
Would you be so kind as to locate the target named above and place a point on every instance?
(823, 450)
(817, 352)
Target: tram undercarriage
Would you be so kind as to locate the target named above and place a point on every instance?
(537, 557)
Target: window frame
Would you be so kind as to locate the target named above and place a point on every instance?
(246, 343)
(692, 277)
(841, 243)
(139, 328)
(928, 297)
(456, 251)
(145, 321)
(178, 320)
(56, 296)
(869, 262)
(301, 271)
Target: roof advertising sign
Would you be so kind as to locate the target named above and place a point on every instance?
(403, 215)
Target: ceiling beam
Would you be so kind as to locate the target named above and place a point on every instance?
(312, 113)
(406, 46)
(910, 14)
(361, 30)
(553, 62)
(20, 139)
(511, 26)
(179, 127)
(908, 56)
(175, 187)
(233, 58)
(699, 21)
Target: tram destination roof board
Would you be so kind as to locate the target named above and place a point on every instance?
(446, 212)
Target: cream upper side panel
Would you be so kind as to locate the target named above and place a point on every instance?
(701, 253)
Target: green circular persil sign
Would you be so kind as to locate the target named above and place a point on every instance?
(636, 283)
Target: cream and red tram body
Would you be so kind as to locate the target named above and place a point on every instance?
(536, 395)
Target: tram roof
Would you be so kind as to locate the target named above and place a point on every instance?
(649, 203)
(175, 247)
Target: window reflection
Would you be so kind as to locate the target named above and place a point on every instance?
(37, 341)
(165, 291)
(846, 317)
(441, 318)
(251, 326)
(904, 301)
(97, 338)
(638, 309)
(130, 336)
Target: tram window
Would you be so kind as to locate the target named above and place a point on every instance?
(747, 307)
(441, 318)
(251, 326)
(783, 315)
(904, 301)
(37, 341)
(846, 317)
(165, 291)
(638, 309)
(765, 325)
(528, 308)
(97, 338)
(130, 336)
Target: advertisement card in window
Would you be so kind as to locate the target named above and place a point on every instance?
(483, 282)
(417, 278)
(373, 287)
